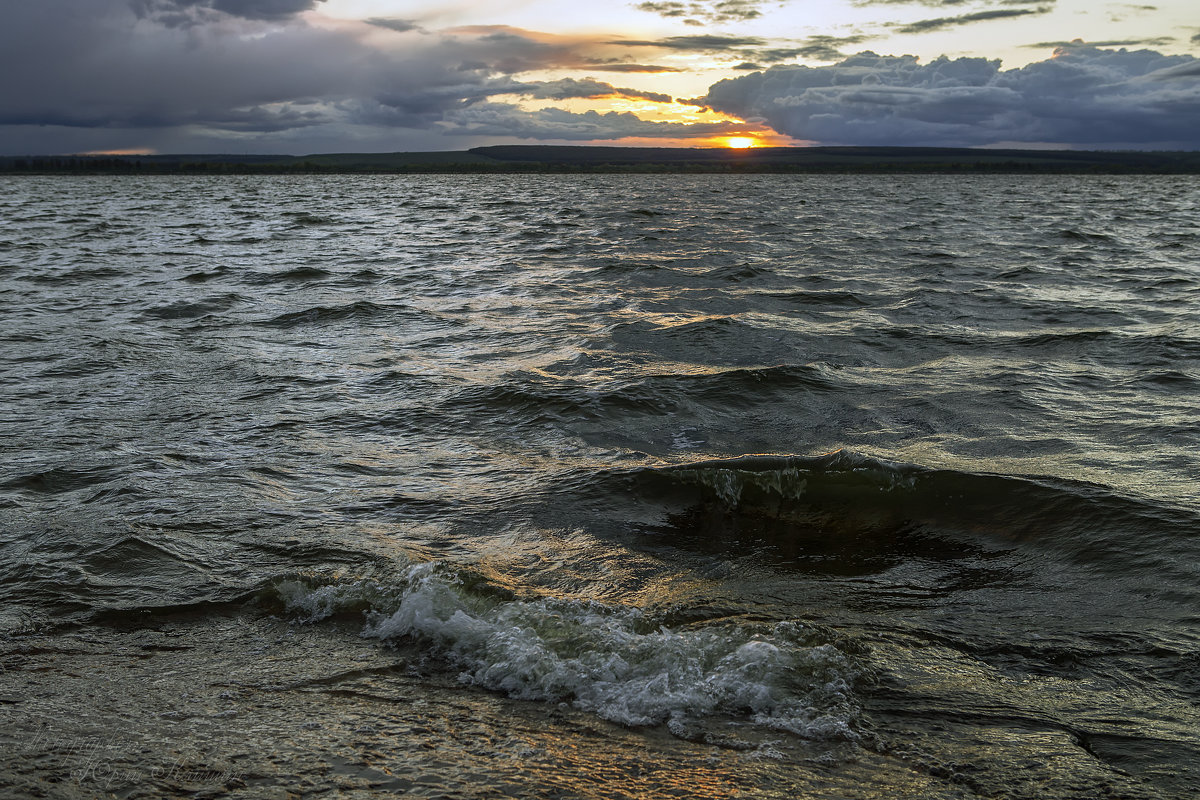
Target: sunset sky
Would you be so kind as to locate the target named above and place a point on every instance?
(308, 76)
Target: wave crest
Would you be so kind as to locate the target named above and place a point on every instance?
(618, 662)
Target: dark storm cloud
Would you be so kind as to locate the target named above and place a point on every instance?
(106, 68)
(93, 66)
(1085, 96)
(186, 12)
(941, 23)
(259, 9)
(694, 13)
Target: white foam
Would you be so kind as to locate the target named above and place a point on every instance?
(612, 660)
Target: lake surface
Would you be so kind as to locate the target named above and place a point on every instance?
(600, 486)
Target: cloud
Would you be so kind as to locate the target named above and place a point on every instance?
(699, 44)
(822, 47)
(244, 75)
(817, 47)
(1084, 95)
(949, 3)
(1157, 41)
(257, 9)
(179, 13)
(238, 79)
(1118, 13)
(393, 24)
(625, 67)
(513, 50)
(1187, 69)
(588, 88)
(715, 11)
(501, 119)
(97, 66)
(941, 23)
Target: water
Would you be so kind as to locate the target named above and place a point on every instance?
(600, 486)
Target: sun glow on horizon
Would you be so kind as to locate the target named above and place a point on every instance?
(740, 142)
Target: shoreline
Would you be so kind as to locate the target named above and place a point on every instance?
(534, 159)
(239, 705)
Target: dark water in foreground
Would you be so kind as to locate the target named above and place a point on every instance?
(601, 486)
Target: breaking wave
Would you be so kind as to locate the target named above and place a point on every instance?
(619, 662)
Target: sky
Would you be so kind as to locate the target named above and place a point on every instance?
(323, 76)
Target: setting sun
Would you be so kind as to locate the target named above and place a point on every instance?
(739, 142)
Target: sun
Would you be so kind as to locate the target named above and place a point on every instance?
(739, 142)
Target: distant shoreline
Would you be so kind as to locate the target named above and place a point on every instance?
(539, 159)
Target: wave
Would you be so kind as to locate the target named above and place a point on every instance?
(618, 662)
(545, 399)
(835, 299)
(1114, 345)
(736, 273)
(1144, 347)
(1171, 378)
(300, 274)
(59, 480)
(306, 219)
(203, 277)
(362, 310)
(191, 310)
(63, 579)
(849, 513)
(1070, 234)
(79, 274)
(538, 400)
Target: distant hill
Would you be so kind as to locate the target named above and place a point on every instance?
(568, 159)
(870, 159)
